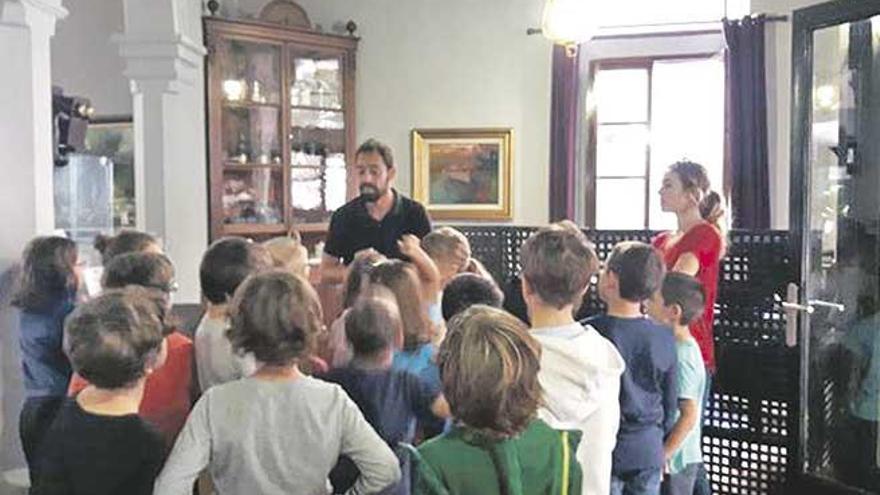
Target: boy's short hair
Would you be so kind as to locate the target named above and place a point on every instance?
(489, 367)
(276, 316)
(685, 291)
(445, 244)
(372, 324)
(126, 241)
(226, 264)
(111, 339)
(639, 269)
(145, 269)
(466, 290)
(558, 264)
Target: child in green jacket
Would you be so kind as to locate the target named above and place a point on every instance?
(489, 369)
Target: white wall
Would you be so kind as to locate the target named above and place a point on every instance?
(453, 63)
(86, 62)
(778, 65)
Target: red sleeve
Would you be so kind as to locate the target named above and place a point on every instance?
(659, 240)
(704, 242)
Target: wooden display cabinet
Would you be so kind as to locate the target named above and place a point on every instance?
(281, 130)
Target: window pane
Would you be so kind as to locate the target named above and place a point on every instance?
(621, 150)
(687, 121)
(637, 12)
(620, 204)
(621, 95)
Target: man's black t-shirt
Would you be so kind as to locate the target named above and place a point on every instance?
(85, 453)
(353, 229)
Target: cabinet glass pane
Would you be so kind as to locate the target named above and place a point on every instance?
(316, 82)
(320, 119)
(253, 196)
(620, 204)
(250, 72)
(336, 181)
(306, 194)
(251, 135)
(621, 95)
(621, 150)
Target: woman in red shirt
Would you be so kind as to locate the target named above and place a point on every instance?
(697, 246)
(696, 249)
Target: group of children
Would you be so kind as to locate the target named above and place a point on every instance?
(265, 399)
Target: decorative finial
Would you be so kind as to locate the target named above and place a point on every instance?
(213, 6)
(351, 27)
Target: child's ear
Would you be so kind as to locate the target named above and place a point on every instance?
(398, 337)
(676, 313)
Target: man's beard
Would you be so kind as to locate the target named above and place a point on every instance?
(369, 192)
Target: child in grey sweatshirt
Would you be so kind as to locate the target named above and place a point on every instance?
(277, 431)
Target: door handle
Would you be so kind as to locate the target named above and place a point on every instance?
(826, 304)
(792, 307)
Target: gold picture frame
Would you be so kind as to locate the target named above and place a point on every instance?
(464, 174)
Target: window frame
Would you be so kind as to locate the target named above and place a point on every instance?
(592, 128)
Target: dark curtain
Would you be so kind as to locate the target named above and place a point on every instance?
(746, 163)
(563, 134)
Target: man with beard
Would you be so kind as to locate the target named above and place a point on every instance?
(376, 219)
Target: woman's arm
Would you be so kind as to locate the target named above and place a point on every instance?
(687, 419)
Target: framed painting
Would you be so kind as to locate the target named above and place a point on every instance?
(463, 174)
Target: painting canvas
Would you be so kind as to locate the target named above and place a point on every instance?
(463, 173)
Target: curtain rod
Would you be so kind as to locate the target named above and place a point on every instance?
(767, 17)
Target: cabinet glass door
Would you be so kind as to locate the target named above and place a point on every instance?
(842, 243)
(252, 157)
(317, 135)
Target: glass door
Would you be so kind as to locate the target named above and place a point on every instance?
(252, 158)
(839, 135)
(317, 135)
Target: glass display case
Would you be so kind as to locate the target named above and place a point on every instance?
(281, 127)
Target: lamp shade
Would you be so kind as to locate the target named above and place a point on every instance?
(569, 22)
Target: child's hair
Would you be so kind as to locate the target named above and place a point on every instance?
(639, 269)
(401, 278)
(558, 263)
(288, 253)
(695, 180)
(126, 241)
(48, 273)
(466, 290)
(489, 367)
(372, 324)
(152, 270)
(112, 338)
(685, 291)
(226, 264)
(276, 316)
(358, 273)
(445, 245)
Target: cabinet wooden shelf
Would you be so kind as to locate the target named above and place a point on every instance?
(280, 104)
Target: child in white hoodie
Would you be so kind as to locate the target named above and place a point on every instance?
(580, 369)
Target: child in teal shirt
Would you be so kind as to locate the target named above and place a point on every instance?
(677, 304)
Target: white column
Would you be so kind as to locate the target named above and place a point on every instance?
(26, 27)
(166, 69)
(26, 193)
